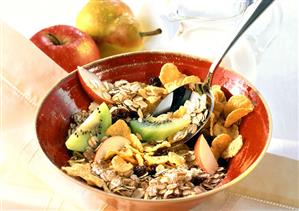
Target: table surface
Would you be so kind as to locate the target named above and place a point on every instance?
(276, 73)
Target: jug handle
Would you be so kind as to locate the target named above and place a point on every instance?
(262, 40)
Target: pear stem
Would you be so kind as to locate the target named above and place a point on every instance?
(151, 33)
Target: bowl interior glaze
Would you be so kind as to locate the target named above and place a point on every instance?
(68, 97)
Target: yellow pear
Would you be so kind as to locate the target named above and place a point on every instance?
(113, 26)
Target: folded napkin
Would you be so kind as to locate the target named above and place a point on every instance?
(29, 180)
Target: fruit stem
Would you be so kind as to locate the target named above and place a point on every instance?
(54, 39)
(151, 33)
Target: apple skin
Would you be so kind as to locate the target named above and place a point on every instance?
(92, 85)
(67, 46)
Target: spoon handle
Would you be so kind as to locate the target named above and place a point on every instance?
(260, 8)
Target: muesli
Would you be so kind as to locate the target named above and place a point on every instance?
(119, 147)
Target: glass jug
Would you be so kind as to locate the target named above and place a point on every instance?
(201, 28)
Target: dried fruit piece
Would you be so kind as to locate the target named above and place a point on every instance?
(219, 144)
(119, 128)
(233, 148)
(204, 156)
(237, 101)
(120, 165)
(84, 171)
(235, 116)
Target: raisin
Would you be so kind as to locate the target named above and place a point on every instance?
(155, 81)
(120, 113)
(223, 162)
(133, 114)
(197, 180)
(161, 151)
(151, 170)
(139, 170)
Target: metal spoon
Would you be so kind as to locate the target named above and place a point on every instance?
(179, 96)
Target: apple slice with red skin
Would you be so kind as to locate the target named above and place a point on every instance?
(204, 157)
(114, 143)
(93, 86)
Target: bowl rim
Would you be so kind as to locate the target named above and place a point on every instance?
(181, 199)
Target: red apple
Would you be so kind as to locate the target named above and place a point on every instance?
(93, 86)
(204, 156)
(67, 46)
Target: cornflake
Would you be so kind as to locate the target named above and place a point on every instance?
(119, 128)
(120, 165)
(219, 144)
(233, 148)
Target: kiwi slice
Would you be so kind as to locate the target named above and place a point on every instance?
(97, 123)
(152, 131)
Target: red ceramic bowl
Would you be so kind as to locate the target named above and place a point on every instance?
(67, 97)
